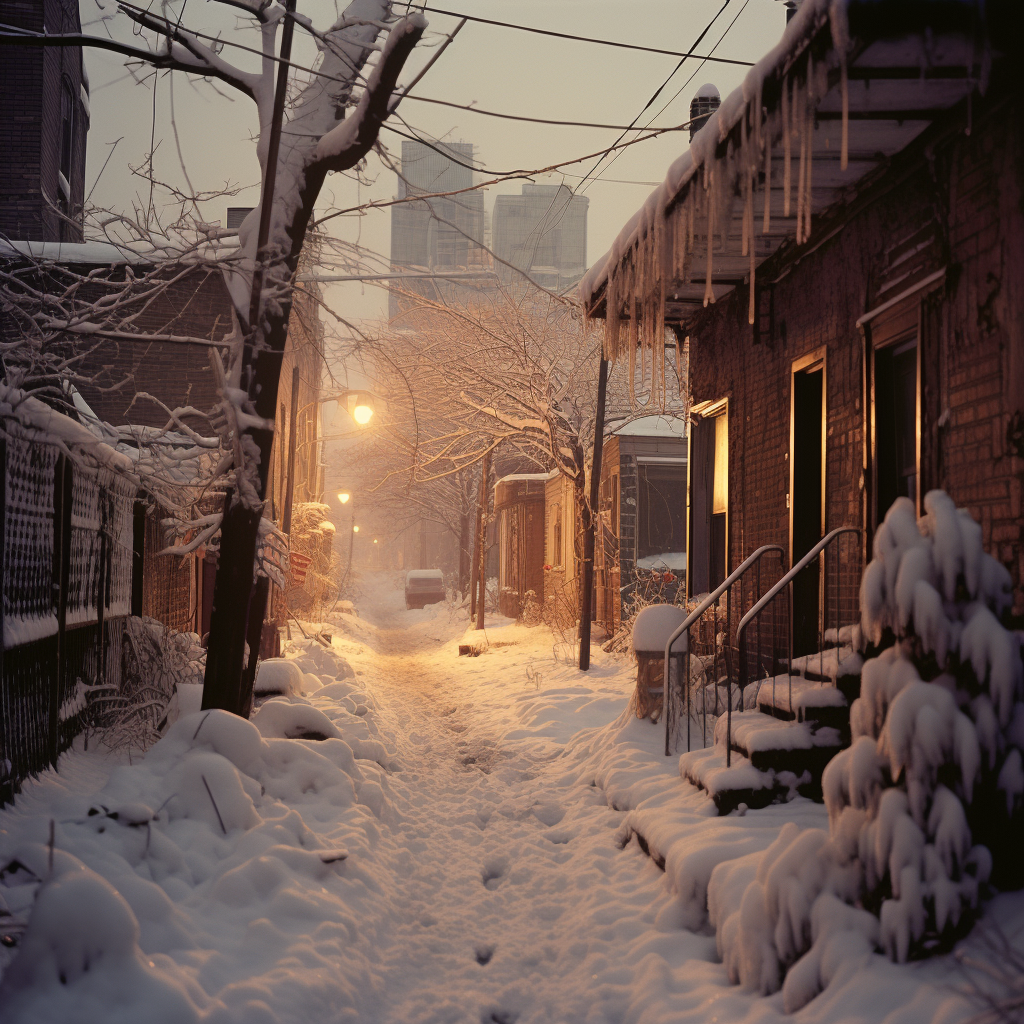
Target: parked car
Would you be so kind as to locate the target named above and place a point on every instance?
(423, 587)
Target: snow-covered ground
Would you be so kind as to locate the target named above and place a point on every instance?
(478, 839)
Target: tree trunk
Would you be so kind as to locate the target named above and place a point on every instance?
(482, 571)
(464, 554)
(262, 357)
(590, 521)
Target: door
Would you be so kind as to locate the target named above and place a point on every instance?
(896, 436)
(709, 502)
(807, 495)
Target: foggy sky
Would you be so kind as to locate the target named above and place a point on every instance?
(498, 69)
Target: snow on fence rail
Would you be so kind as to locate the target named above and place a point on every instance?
(67, 580)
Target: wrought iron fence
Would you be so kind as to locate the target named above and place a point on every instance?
(67, 586)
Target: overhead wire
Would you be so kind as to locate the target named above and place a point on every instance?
(581, 39)
(675, 95)
(657, 93)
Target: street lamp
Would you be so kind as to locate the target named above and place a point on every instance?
(343, 497)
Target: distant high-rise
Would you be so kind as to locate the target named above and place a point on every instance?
(442, 233)
(542, 233)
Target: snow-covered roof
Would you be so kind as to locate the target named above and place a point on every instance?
(707, 92)
(513, 477)
(98, 253)
(877, 75)
(653, 426)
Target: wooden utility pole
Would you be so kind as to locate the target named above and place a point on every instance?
(481, 558)
(586, 603)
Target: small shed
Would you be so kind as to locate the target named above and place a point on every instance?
(641, 514)
(519, 522)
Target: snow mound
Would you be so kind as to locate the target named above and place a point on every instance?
(654, 625)
(281, 719)
(279, 675)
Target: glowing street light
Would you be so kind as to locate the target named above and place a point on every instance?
(359, 405)
(355, 529)
(343, 497)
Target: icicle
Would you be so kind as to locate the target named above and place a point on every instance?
(748, 220)
(844, 150)
(709, 293)
(766, 223)
(787, 143)
(810, 162)
(801, 120)
(758, 111)
(745, 243)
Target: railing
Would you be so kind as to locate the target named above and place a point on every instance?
(841, 605)
(710, 601)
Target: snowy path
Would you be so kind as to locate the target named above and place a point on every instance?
(504, 869)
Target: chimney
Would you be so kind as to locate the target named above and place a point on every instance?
(704, 103)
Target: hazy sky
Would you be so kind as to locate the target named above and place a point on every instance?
(495, 68)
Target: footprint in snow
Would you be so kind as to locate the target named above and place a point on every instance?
(493, 872)
(548, 813)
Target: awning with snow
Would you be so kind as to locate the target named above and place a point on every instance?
(850, 84)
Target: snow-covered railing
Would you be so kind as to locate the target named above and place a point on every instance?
(710, 601)
(67, 578)
(816, 553)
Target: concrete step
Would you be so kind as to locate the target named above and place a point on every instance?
(791, 747)
(797, 699)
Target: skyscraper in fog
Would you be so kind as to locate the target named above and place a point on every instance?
(542, 233)
(444, 233)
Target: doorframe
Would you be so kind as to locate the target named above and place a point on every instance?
(705, 411)
(890, 338)
(804, 364)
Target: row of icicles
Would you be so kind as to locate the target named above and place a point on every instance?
(687, 226)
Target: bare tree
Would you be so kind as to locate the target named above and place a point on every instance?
(331, 124)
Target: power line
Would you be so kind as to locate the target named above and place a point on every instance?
(519, 117)
(728, 29)
(657, 93)
(498, 176)
(584, 39)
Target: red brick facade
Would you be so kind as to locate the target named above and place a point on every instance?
(31, 83)
(953, 202)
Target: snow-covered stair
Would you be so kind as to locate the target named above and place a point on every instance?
(728, 787)
(802, 700)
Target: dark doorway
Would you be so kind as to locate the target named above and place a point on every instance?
(895, 425)
(806, 502)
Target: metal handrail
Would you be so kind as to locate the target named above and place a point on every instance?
(758, 606)
(690, 619)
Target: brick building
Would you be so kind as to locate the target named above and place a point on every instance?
(863, 339)
(44, 120)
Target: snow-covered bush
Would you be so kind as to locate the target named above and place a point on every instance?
(925, 806)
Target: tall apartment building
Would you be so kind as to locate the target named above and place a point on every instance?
(542, 233)
(44, 119)
(443, 233)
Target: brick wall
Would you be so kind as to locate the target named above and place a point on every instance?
(169, 592)
(30, 124)
(970, 188)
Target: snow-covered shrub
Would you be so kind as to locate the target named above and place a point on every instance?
(159, 664)
(925, 806)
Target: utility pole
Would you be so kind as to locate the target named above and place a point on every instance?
(586, 604)
(482, 555)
